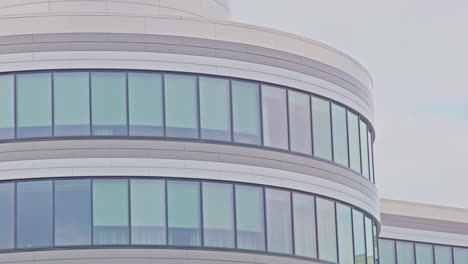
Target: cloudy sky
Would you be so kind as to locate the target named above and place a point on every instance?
(417, 54)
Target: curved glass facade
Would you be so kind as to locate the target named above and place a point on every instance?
(152, 211)
(187, 106)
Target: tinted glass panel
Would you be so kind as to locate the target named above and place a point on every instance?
(359, 239)
(321, 128)
(7, 107)
(181, 106)
(215, 105)
(304, 225)
(148, 212)
(376, 245)
(460, 255)
(364, 150)
(443, 255)
(340, 135)
(33, 105)
(145, 104)
(110, 212)
(7, 217)
(71, 104)
(278, 213)
(109, 103)
(424, 254)
(275, 120)
(246, 112)
(405, 252)
(354, 148)
(72, 212)
(326, 229)
(34, 214)
(345, 234)
(387, 251)
(369, 241)
(184, 210)
(249, 218)
(371, 155)
(218, 215)
(300, 122)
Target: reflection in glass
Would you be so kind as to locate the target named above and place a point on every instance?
(148, 212)
(340, 135)
(345, 234)
(300, 122)
(218, 215)
(145, 104)
(246, 112)
(33, 105)
(371, 156)
(304, 225)
(7, 107)
(424, 253)
(34, 214)
(405, 252)
(321, 128)
(364, 149)
(387, 251)
(278, 214)
(72, 212)
(275, 119)
(460, 255)
(443, 255)
(7, 217)
(354, 147)
(359, 239)
(183, 201)
(249, 218)
(326, 229)
(369, 241)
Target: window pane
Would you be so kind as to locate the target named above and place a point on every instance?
(371, 156)
(109, 103)
(321, 128)
(345, 234)
(110, 212)
(443, 255)
(387, 251)
(34, 214)
(460, 255)
(359, 242)
(72, 212)
(424, 254)
(148, 212)
(145, 104)
(354, 148)
(246, 112)
(376, 245)
(304, 225)
(326, 229)
(340, 135)
(34, 105)
(218, 215)
(369, 241)
(184, 213)
(278, 213)
(299, 122)
(364, 152)
(7, 107)
(250, 218)
(7, 217)
(215, 113)
(181, 106)
(71, 103)
(275, 120)
(405, 252)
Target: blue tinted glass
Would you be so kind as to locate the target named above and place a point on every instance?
(274, 117)
(359, 238)
(250, 218)
(345, 234)
(424, 253)
(7, 217)
(7, 106)
(460, 255)
(305, 240)
(279, 224)
(387, 251)
(72, 212)
(34, 214)
(326, 230)
(405, 252)
(246, 112)
(443, 255)
(321, 128)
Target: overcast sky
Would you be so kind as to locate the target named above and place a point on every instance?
(417, 54)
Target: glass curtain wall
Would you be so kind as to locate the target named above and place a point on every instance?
(7, 217)
(274, 117)
(300, 122)
(321, 128)
(359, 238)
(305, 235)
(326, 229)
(246, 112)
(424, 253)
(250, 218)
(345, 234)
(278, 218)
(340, 135)
(7, 106)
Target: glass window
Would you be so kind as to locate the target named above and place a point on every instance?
(33, 105)
(304, 225)
(387, 251)
(110, 212)
(364, 149)
(246, 112)
(460, 255)
(345, 234)
(321, 128)
(275, 119)
(371, 156)
(405, 252)
(109, 103)
(359, 239)
(7, 107)
(340, 135)
(34, 214)
(443, 255)
(354, 148)
(7, 217)
(148, 212)
(300, 122)
(250, 218)
(369, 241)
(71, 103)
(424, 253)
(215, 109)
(72, 212)
(278, 218)
(181, 106)
(183, 199)
(218, 215)
(326, 229)
(376, 245)
(145, 104)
